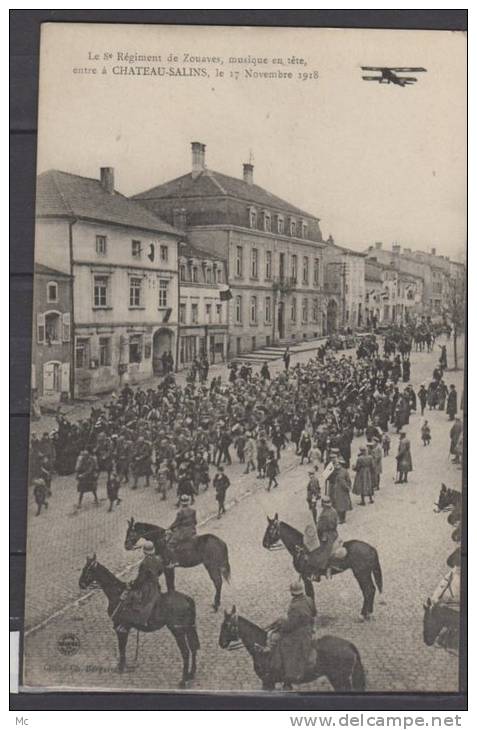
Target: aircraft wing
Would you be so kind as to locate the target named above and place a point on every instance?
(374, 68)
(407, 69)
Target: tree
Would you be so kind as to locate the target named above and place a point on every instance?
(455, 312)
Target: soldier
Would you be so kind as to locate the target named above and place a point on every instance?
(340, 489)
(112, 488)
(326, 528)
(182, 530)
(141, 461)
(363, 481)
(290, 645)
(452, 403)
(40, 492)
(139, 600)
(403, 459)
(87, 475)
(221, 483)
(313, 493)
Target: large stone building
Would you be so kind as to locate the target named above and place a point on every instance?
(273, 251)
(345, 273)
(429, 273)
(123, 263)
(392, 296)
(52, 337)
(203, 313)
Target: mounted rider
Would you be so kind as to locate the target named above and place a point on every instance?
(290, 644)
(182, 531)
(319, 560)
(139, 599)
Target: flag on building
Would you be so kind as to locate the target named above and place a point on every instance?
(225, 294)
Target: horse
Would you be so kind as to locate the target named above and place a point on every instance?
(174, 610)
(362, 559)
(441, 622)
(207, 549)
(450, 500)
(333, 657)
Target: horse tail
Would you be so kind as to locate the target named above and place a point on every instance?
(358, 675)
(225, 570)
(378, 576)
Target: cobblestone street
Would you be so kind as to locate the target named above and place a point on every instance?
(413, 544)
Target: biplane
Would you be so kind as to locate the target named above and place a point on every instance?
(389, 74)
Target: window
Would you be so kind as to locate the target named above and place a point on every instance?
(208, 276)
(105, 350)
(254, 273)
(253, 218)
(238, 309)
(182, 313)
(182, 272)
(101, 245)
(135, 284)
(164, 253)
(293, 310)
(315, 310)
(305, 269)
(253, 310)
(268, 310)
(267, 222)
(136, 249)
(292, 228)
(316, 272)
(294, 267)
(280, 225)
(208, 313)
(163, 289)
(304, 229)
(100, 290)
(52, 327)
(239, 261)
(219, 276)
(304, 311)
(52, 292)
(82, 352)
(195, 313)
(218, 309)
(195, 274)
(135, 348)
(268, 264)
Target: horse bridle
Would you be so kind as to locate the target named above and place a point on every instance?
(276, 545)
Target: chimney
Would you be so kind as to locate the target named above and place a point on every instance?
(248, 173)
(396, 249)
(107, 179)
(198, 158)
(179, 218)
(378, 245)
(433, 251)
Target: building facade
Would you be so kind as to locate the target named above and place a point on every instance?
(123, 261)
(345, 271)
(52, 336)
(273, 251)
(203, 312)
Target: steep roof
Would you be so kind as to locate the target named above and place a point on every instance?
(209, 183)
(48, 271)
(62, 194)
(187, 250)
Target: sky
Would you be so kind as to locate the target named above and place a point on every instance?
(373, 162)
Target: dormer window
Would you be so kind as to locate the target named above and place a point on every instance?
(253, 218)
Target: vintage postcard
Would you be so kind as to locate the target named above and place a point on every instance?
(246, 467)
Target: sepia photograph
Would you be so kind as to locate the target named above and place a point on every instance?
(247, 467)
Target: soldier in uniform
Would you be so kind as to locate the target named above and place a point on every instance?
(290, 645)
(141, 461)
(340, 489)
(313, 493)
(87, 475)
(140, 598)
(403, 459)
(221, 483)
(182, 530)
(40, 492)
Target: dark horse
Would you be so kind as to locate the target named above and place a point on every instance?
(209, 550)
(442, 623)
(361, 558)
(174, 610)
(334, 658)
(450, 500)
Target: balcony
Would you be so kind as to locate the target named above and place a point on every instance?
(284, 284)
